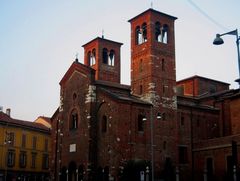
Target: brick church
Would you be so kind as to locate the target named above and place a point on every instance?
(155, 128)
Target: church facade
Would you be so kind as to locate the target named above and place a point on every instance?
(156, 128)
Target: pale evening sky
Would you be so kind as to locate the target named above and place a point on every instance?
(39, 41)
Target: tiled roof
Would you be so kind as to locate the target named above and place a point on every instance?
(7, 120)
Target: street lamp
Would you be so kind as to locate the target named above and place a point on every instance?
(159, 116)
(218, 41)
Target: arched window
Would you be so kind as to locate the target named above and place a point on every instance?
(138, 35)
(158, 31)
(105, 56)
(165, 34)
(111, 58)
(144, 32)
(73, 123)
(104, 124)
(93, 57)
(89, 57)
(161, 33)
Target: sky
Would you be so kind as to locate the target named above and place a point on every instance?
(39, 41)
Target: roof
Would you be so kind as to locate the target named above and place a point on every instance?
(200, 77)
(196, 106)
(124, 97)
(112, 84)
(119, 91)
(7, 120)
(102, 39)
(154, 11)
(76, 66)
(46, 121)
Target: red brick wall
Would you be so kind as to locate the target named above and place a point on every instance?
(235, 115)
(218, 149)
(104, 71)
(78, 83)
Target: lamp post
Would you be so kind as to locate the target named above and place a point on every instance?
(159, 116)
(218, 41)
(151, 127)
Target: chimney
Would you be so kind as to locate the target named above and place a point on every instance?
(8, 112)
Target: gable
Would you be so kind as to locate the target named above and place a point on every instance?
(79, 68)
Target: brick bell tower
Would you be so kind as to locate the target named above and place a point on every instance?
(152, 54)
(153, 77)
(104, 56)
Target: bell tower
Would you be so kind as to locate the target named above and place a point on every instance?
(104, 56)
(153, 77)
(153, 54)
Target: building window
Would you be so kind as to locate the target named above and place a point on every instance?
(165, 34)
(108, 57)
(22, 159)
(161, 33)
(33, 161)
(141, 34)
(105, 56)
(45, 160)
(24, 137)
(92, 57)
(182, 155)
(140, 123)
(111, 59)
(138, 35)
(144, 32)
(46, 145)
(104, 124)
(158, 31)
(34, 142)
(9, 138)
(73, 123)
(10, 158)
